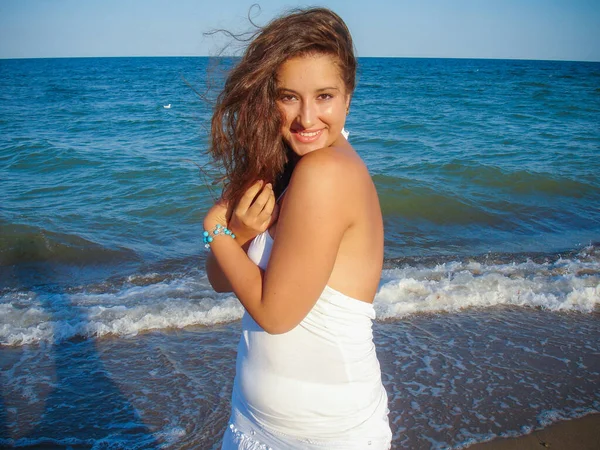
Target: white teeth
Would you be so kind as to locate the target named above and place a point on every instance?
(311, 134)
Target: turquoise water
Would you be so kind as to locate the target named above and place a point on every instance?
(487, 172)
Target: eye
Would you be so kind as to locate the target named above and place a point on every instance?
(325, 96)
(287, 98)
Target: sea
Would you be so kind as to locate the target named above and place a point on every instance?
(488, 316)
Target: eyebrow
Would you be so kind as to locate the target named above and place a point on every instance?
(329, 88)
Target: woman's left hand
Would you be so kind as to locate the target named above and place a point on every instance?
(256, 212)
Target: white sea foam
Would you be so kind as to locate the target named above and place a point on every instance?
(566, 285)
(28, 317)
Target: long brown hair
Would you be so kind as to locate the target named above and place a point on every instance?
(246, 125)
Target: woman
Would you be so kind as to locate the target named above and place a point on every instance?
(307, 376)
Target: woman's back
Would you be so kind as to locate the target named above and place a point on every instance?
(359, 260)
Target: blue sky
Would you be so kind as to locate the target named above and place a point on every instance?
(524, 29)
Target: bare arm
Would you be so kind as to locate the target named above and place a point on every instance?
(215, 275)
(311, 225)
(255, 212)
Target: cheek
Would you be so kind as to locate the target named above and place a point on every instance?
(328, 110)
(334, 111)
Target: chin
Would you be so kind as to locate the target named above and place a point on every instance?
(305, 149)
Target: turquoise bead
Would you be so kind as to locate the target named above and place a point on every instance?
(219, 229)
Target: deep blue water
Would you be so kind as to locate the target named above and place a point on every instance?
(487, 172)
(470, 156)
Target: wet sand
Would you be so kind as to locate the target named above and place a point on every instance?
(576, 434)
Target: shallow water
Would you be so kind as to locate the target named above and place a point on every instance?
(452, 379)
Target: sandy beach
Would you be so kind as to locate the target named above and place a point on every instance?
(576, 434)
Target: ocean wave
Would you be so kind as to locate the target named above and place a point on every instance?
(40, 156)
(415, 200)
(521, 181)
(28, 244)
(562, 285)
(29, 317)
(152, 301)
(480, 204)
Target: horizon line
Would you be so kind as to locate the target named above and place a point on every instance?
(484, 58)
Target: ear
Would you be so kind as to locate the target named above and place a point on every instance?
(348, 98)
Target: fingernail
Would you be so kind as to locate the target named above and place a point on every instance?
(269, 185)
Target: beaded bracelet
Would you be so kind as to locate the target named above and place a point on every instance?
(218, 230)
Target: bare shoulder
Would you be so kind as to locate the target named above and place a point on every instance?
(333, 168)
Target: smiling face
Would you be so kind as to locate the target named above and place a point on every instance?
(312, 97)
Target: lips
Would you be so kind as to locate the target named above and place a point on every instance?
(307, 136)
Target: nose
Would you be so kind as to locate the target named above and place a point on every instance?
(307, 114)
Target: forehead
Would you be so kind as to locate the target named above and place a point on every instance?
(310, 71)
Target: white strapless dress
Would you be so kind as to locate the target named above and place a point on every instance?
(317, 386)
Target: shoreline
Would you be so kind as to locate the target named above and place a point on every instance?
(582, 433)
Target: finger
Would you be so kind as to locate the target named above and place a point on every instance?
(267, 210)
(248, 197)
(268, 223)
(261, 200)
